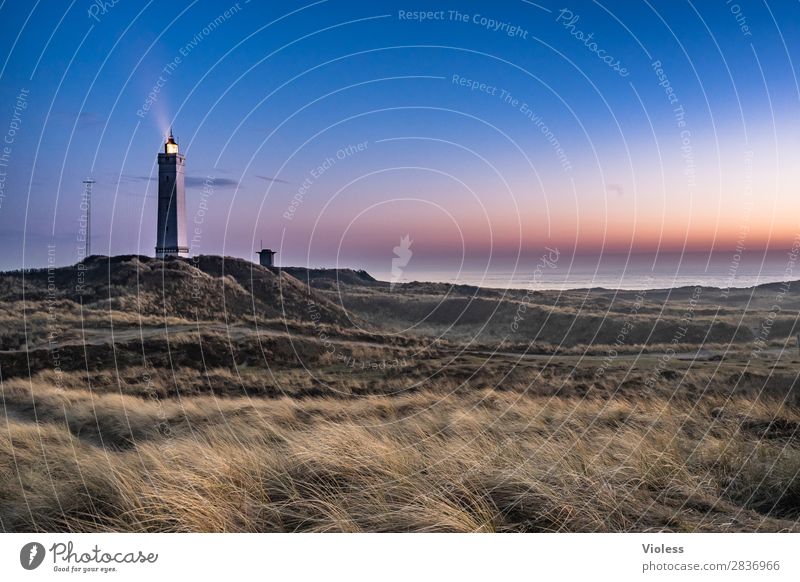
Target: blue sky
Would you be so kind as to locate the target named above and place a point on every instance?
(553, 146)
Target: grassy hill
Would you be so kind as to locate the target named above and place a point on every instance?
(212, 394)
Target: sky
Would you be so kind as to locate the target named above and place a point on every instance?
(330, 130)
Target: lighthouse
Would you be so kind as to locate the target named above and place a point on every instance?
(171, 233)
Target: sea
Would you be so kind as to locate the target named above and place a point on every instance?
(558, 271)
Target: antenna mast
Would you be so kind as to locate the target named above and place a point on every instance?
(87, 195)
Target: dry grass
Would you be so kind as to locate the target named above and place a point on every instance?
(138, 407)
(423, 462)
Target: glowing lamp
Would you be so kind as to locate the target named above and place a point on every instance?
(170, 147)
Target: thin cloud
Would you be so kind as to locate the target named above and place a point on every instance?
(615, 189)
(197, 182)
(88, 119)
(130, 178)
(269, 179)
(190, 181)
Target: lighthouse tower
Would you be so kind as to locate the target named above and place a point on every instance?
(171, 234)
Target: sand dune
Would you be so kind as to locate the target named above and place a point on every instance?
(217, 395)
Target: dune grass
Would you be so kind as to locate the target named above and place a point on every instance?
(137, 407)
(422, 462)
